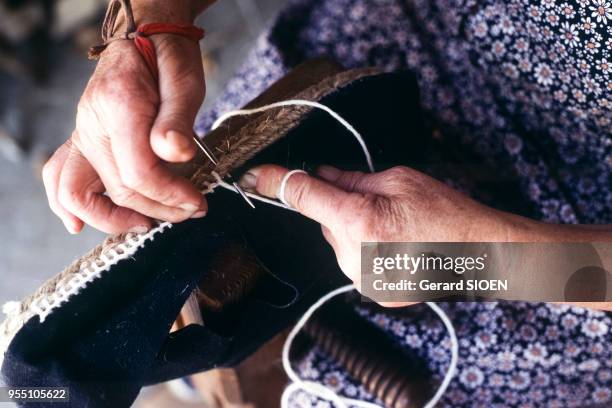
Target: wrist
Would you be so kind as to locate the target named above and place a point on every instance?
(521, 229)
(162, 11)
(501, 226)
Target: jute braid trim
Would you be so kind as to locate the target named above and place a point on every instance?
(240, 146)
(269, 127)
(70, 281)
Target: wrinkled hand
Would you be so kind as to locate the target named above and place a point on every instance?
(399, 204)
(111, 173)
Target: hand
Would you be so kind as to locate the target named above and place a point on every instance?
(399, 204)
(110, 173)
(404, 205)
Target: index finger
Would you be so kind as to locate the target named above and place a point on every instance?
(141, 170)
(313, 198)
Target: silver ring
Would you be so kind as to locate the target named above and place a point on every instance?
(283, 186)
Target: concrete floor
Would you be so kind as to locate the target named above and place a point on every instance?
(34, 245)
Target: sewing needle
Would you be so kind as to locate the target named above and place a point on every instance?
(214, 161)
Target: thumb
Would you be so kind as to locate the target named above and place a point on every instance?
(313, 198)
(181, 91)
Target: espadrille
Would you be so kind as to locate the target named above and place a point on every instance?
(101, 327)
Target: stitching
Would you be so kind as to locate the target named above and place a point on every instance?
(88, 272)
(92, 270)
(117, 248)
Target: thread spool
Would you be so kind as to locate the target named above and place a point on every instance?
(233, 274)
(394, 380)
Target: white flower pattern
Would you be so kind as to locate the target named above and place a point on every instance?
(527, 86)
(601, 10)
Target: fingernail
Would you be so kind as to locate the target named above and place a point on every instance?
(328, 172)
(199, 214)
(139, 229)
(178, 139)
(248, 180)
(190, 208)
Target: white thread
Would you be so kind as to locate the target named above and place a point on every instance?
(301, 102)
(326, 393)
(452, 366)
(283, 186)
(220, 183)
(290, 102)
(87, 273)
(311, 386)
(11, 308)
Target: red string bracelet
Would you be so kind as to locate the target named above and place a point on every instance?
(141, 34)
(147, 49)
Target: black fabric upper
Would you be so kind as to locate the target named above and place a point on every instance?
(112, 338)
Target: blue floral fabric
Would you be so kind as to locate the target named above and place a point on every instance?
(524, 85)
(511, 354)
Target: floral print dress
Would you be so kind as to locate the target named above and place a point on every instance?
(526, 86)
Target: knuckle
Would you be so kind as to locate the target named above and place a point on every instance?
(300, 194)
(47, 171)
(140, 179)
(71, 198)
(170, 195)
(400, 181)
(121, 196)
(398, 175)
(350, 180)
(134, 177)
(176, 217)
